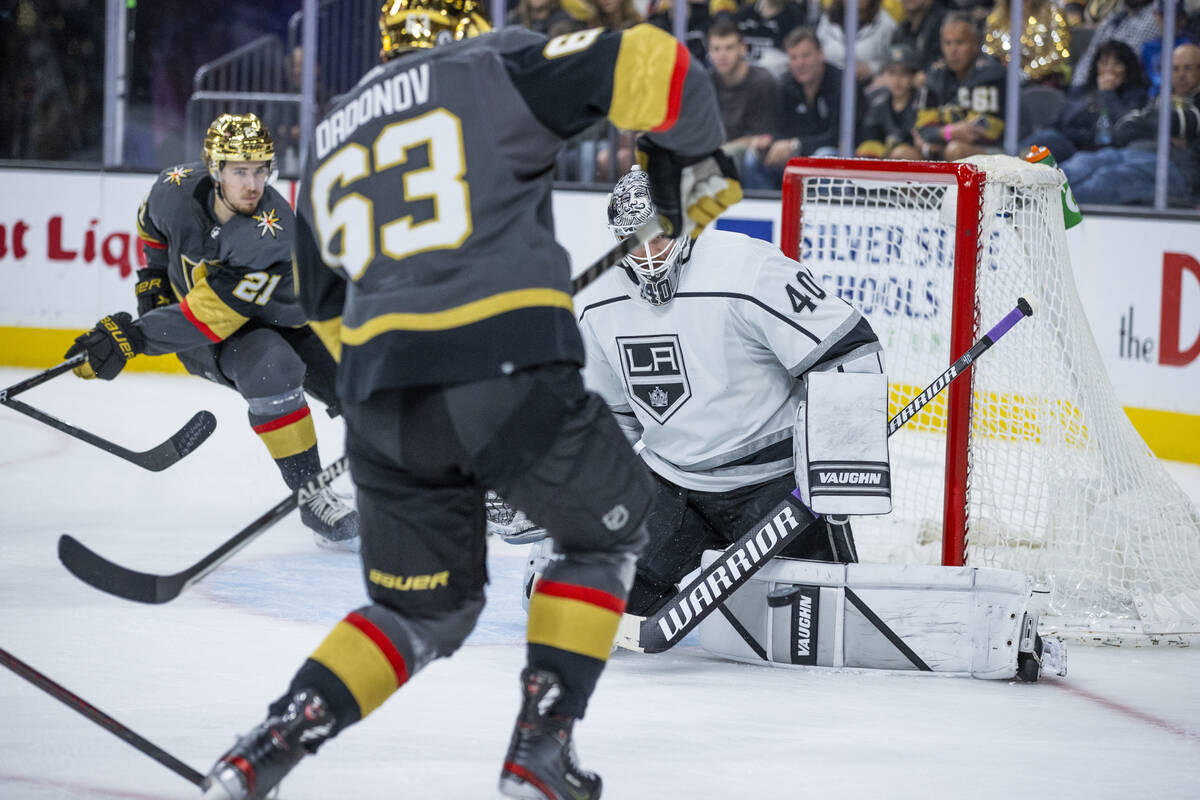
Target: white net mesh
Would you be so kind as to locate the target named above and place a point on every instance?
(1060, 485)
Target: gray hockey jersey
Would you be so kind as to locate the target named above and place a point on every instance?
(222, 275)
(709, 381)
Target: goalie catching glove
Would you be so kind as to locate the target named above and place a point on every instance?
(153, 290)
(109, 345)
(701, 186)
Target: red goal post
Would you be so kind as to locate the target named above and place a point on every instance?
(964, 321)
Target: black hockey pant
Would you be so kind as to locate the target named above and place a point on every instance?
(421, 459)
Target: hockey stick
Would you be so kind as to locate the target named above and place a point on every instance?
(618, 251)
(142, 587)
(709, 590)
(184, 441)
(41, 377)
(99, 717)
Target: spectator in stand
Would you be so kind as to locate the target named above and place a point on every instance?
(921, 29)
(542, 16)
(964, 96)
(871, 42)
(808, 113)
(614, 15)
(1131, 21)
(1124, 174)
(1151, 52)
(886, 130)
(764, 25)
(747, 95)
(695, 37)
(1115, 86)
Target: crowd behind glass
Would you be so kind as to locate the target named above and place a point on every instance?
(929, 76)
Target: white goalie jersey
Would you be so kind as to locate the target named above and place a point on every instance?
(709, 381)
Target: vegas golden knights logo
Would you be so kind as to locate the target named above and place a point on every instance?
(654, 373)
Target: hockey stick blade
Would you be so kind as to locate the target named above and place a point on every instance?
(184, 441)
(97, 716)
(142, 587)
(777, 529)
(618, 251)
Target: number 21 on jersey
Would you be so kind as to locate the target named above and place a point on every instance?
(353, 216)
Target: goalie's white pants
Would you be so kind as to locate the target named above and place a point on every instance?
(960, 620)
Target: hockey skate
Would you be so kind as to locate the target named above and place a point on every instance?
(510, 524)
(540, 764)
(334, 524)
(260, 759)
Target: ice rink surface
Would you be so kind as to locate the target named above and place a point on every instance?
(192, 674)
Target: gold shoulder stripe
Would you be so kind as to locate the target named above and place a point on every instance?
(643, 85)
(213, 314)
(459, 316)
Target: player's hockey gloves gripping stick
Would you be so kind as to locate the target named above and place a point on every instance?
(157, 458)
(153, 290)
(108, 346)
(769, 536)
(689, 192)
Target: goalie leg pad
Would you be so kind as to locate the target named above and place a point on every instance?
(958, 620)
(840, 443)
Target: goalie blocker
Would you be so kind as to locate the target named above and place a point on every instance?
(968, 621)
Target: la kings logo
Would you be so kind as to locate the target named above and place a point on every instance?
(655, 374)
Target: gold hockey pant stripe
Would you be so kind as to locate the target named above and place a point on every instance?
(363, 658)
(288, 435)
(578, 619)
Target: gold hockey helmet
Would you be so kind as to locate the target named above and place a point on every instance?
(237, 137)
(406, 25)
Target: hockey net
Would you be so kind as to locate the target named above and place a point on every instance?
(1032, 465)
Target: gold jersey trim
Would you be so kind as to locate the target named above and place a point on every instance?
(459, 316)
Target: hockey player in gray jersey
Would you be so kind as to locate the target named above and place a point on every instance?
(217, 291)
(426, 257)
(703, 351)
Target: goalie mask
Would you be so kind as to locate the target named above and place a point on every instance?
(406, 25)
(654, 267)
(237, 137)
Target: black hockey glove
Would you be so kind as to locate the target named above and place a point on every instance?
(153, 290)
(689, 191)
(109, 345)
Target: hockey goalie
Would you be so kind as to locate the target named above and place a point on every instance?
(741, 379)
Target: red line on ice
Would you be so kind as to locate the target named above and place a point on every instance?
(81, 788)
(1128, 711)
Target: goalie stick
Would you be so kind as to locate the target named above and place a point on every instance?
(99, 717)
(142, 587)
(184, 441)
(742, 559)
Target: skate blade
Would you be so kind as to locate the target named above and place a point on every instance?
(352, 545)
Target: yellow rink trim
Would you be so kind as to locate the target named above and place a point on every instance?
(42, 348)
(572, 625)
(1169, 434)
